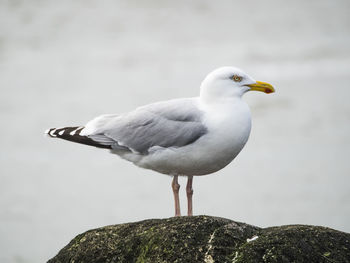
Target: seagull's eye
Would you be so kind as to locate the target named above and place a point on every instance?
(237, 78)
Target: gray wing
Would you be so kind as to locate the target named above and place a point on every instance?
(173, 123)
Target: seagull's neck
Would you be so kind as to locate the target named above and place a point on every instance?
(224, 106)
(215, 95)
(220, 102)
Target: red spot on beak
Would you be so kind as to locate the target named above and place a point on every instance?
(268, 90)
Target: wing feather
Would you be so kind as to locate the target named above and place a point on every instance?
(173, 123)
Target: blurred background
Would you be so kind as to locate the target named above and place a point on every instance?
(65, 62)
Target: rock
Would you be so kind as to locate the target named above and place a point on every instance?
(205, 239)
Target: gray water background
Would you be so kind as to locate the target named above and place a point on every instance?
(65, 62)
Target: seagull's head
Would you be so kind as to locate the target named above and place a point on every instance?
(230, 82)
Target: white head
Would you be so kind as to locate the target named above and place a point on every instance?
(229, 82)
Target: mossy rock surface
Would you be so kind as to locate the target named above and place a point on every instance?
(205, 239)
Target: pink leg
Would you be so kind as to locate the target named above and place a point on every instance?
(176, 187)
(189, 192)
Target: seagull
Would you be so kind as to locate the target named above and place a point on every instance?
(180, 137)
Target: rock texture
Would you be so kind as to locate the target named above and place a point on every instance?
(205, 239)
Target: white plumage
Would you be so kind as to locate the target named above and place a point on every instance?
(190, 137)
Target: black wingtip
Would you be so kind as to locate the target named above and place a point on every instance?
(49, 132)
(73, 134)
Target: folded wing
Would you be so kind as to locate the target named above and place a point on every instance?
(175, 123)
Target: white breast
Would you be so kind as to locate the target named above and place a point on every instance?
(229, 128)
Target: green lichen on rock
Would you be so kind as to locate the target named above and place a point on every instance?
(205, 239)
(297, 243)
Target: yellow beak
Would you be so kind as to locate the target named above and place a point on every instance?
(262, 86)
